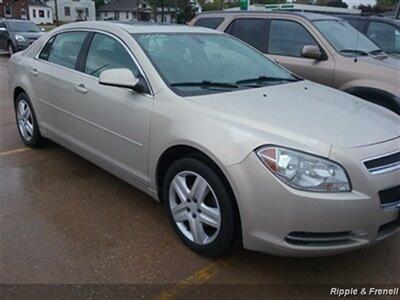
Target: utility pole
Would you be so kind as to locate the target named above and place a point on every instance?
(221, 4)
(162, 11)
(137, 10)
(56, 12)
(397, 13)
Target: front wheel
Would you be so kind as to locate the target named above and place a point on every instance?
(199, 207)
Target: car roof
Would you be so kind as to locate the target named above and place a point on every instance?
(374, 18)
(140, 27)
(306, 15)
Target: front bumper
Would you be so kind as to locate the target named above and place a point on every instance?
(280, 220)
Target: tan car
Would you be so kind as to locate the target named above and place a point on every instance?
(240, 151)
(317, 47)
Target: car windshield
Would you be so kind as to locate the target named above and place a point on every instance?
(203, 63)
(23, 27)
(345, 38)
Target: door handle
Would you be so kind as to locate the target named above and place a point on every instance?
(34, 72)
(81, 88)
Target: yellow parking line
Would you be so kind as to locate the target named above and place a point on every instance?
(14, 151)
(199, 277)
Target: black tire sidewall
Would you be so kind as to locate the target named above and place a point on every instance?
(225, 237)
(36, 139)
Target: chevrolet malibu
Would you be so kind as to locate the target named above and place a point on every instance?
(240, 151)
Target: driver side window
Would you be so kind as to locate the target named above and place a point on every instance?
(288, 38)
(107, 53)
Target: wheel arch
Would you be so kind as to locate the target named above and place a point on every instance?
(376, 96)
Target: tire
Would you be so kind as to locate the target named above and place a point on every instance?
(196, 220)
(10, 49)
(27, 125)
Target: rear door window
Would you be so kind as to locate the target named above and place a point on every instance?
(65, 48)
(250, 30)
(212, 23)
(288, 38)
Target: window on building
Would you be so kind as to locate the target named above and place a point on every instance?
(117, 15)
(105, 14)
(87, 12)
(67, 11)
(41, 13)
(127, 15)
(48, 14)
(7, 10)
(291, 42)
(34, 13)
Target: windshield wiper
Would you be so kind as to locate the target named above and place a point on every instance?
(355, 51)
(207, 84)
(377, 51)
(261, 79)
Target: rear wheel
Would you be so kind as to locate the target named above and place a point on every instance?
(26, 122)
(199, 207)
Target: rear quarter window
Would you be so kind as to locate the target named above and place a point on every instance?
(211, 23)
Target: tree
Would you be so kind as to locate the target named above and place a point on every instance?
(332, 3)
(337, 3)
(98, 3)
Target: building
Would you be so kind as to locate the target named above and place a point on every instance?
(354, 4)
(73, 10)
(136, 10)
(34, 10)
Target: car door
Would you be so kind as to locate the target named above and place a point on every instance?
(112, 123)
(55, 80)
(285, 41)
(3, 36)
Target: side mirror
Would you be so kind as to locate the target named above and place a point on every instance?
(123, 78)
(311, 51)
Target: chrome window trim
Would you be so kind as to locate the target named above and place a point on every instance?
(142, 73)
(382, 169)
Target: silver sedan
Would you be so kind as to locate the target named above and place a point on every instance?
(240, 151)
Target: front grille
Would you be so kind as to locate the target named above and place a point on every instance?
(383, 164)
(390, 197)
(301, 238)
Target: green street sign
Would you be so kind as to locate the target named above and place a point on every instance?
(244, 5)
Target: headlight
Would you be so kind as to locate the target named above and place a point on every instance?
(304, 171)
(19, 38)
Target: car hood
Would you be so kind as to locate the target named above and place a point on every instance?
(388, 61)
(30, 35)
(305, 112)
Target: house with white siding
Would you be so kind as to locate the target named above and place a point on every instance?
(73, 10)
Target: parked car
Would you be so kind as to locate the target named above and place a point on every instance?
(321, 48)
(238, 149)
(385, 32)
(16, 35)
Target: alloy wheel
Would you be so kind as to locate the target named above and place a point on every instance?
(25, 120)
(194, 207)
